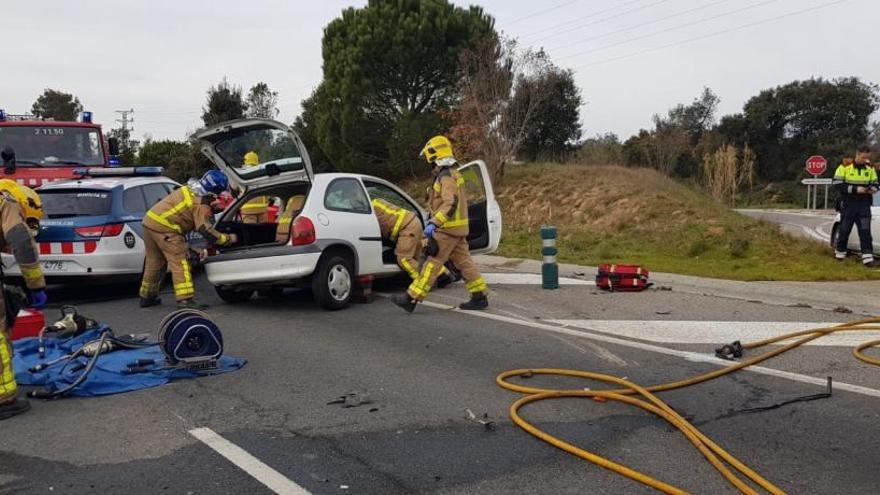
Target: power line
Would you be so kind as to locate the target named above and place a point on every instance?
(125, 121)
(575, 21)
(643, 24)
(670, 29)
(541, 12)
(710, 35)
(598, 21)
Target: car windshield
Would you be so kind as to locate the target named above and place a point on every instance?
(259, 151)
(75, 202)
(48, 145)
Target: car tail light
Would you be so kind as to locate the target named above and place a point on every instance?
(303, 232)
(109, 230)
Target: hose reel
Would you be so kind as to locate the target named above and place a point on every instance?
(190, 340)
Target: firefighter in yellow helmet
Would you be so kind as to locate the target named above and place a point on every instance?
(187, 209)
(448, 227)
(257, 209)
(20, 213)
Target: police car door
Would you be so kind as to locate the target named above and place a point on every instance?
(484, 214)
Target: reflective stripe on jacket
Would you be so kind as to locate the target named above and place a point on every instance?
(847, 178)
(391, 218)
(183, 211)
(16, 237)
(448, 203)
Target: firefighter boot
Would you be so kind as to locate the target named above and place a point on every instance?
(147, 302)
(13, 407)
(191, 304)
(444, 280)
(478, 301)
(404, 302)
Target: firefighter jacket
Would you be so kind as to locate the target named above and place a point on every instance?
(847, 178)
(447, 203)
(15, 237)
(293, 208)
(391, 218)
(183, 211)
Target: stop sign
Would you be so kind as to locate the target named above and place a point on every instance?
(816, 165)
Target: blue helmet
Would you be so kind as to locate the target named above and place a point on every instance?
(214, 181)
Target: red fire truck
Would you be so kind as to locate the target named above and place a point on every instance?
(36, 151)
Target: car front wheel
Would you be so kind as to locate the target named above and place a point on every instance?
(333, 282)
(231, 295)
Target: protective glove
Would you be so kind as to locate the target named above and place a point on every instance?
(429, 230)
(38, 299)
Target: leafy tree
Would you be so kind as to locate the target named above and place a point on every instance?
(786, 124)
(56, 105)
(128, 147)
(181, 160)
(603, 149)
(262, 102)
(555, 125)
(386, 63)
(224, 102)
(306, 126)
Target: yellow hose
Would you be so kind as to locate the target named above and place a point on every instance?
(720, 459)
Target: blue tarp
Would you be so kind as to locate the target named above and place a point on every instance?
(108, 376)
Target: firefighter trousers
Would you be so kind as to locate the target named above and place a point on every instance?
(166, 250)
(8, 387)
(454, 249)
(408, 247)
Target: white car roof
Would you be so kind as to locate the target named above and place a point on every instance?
(106, 183)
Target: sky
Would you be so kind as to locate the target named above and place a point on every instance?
(632, 58)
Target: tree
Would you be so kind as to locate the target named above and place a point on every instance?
(726, 170)
(786, 124)
(128, 147)
(262, 102)
(224, 103)
(306, 126)
(56, 105)
(181, 160)
(387, 63)
(485, 121)
(602, 149)
(555, 125)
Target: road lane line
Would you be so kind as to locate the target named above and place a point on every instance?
(687, 355)
(273, 480)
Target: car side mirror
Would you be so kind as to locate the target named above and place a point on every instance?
(113, 146)
(8, 156)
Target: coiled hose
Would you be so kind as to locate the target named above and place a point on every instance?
(720, 459)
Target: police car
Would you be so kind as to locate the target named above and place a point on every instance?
(91, 228)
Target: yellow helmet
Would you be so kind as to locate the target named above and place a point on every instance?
(436, 148)
(251, 158)
(27, 198)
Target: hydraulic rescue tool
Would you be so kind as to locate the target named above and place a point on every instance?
(69, 325)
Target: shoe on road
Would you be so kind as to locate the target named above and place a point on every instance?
(191, 304)
(404, 302)
(147, 302)
(477, 302)
(12, 408)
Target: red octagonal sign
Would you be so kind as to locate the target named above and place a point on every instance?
(816, 165)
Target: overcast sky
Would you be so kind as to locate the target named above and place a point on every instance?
(632, 58)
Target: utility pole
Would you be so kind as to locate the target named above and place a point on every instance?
(125, 120)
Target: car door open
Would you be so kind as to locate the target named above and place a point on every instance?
(484, 214)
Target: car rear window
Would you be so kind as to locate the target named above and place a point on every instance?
(75, 203)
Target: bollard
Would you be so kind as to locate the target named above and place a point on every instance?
(549, 270)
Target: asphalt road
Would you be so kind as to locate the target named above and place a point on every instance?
(815, 225)
(422, 372)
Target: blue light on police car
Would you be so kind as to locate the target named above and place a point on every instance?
(87, 117)
(114, 162)
(2, 115)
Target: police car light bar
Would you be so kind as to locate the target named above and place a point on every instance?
(119, 172)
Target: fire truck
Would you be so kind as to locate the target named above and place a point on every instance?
(36, 151)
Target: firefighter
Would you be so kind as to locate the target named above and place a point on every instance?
(20, 213)
(856, 184)
(448, 227)
(257, 209)
(400, 226)
(187, 209)
(293, 208)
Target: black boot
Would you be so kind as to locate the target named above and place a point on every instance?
(147, 302)
(17, 406)
(404, 302)
(191, 304)
(478, 301)
(444, 280)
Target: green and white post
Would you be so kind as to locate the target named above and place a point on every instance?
(549, 270)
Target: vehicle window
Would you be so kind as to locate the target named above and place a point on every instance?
(154, 193)
(47, 144)
(63, 203)
(257, 151)
(133, 200)
(381, 191)
(347, 195)
(473, 184)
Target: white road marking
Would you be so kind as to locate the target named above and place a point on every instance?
(529, 279)
(273, 480)
(687, 355)
(714, 332)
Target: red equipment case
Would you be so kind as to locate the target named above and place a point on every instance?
(28, 323)
(622, 278)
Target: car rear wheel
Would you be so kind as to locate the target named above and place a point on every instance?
(232, 295)
(333, 282)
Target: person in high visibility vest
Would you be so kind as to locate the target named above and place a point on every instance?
(856, 184)
(20, 213)
(255, 210)
(187, 209)
(448, 227)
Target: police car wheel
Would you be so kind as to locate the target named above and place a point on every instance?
(231, 295)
